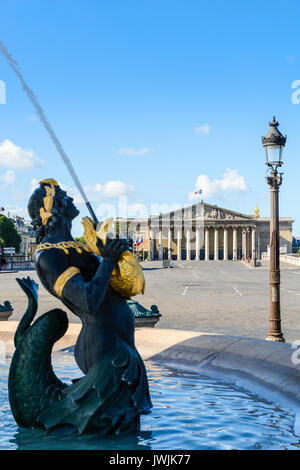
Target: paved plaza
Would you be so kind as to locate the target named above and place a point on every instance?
(210, 296)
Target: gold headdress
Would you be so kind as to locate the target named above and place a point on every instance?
(45, 212)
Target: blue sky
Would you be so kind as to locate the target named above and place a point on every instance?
(147, 96)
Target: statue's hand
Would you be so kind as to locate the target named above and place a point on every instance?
(112, 249)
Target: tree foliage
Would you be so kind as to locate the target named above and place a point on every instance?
(80, 240)
(9, 236)
(124, 229)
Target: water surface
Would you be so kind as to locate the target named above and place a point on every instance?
(190, 411)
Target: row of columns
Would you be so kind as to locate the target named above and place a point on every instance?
(188, 244)
(206, 243)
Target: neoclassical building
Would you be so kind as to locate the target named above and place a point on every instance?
(27, 234)
(207, 232)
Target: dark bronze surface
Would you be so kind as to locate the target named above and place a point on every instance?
(114, 389)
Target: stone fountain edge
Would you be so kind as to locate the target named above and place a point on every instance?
(246, 361)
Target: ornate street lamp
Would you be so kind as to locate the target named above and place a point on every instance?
(274, 143)
(1, 210)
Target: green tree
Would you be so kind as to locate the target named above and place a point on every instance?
(80, 240)
(123, 228)
(9, 236)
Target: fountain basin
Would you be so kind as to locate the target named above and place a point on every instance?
(265, 362)
(261, 369)
(6, 311)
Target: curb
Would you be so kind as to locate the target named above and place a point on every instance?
(249, 265)
(8, 272)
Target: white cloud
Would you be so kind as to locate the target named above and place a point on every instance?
(14, 157)
(138, 210)
(15, 210)
(100, 192)
(95, 193)
(115, 189)
(72, 192)
(232, 181)
(131, 151)
(109, 190)
(8, 177)
(33, 185)
(203, 130)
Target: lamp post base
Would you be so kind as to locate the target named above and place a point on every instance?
(275, 338)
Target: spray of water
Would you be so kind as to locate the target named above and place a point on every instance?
(34, 101)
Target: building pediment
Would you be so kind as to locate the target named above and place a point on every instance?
(202, 211)
(219, 213)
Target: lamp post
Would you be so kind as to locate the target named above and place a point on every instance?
(274, 143)
(1, 210)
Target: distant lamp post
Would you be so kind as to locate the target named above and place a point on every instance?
(1, 210)
(274, 143)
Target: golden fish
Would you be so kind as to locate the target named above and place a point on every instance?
(127, 277)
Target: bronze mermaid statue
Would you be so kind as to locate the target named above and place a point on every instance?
(113, 392)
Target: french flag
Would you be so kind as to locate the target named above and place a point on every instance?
(198, 191)
(141, 240)
(136, 241)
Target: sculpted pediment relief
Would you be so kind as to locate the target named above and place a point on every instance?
(200, 212)
(219, 214)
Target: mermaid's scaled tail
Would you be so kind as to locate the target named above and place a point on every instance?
(32, 384)
(30, 287)
(108, 400)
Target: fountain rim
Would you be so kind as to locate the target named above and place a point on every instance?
(260, 366)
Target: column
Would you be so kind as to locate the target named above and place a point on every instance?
(234, 243)
(253, 252)
(216, 244)
(179, 254)
(206, 247)
(258, 248)
(244, 244)
(197, 244)
(225, 250)
(151, 245)
(188, 244)
(170, 243)
(160, 246)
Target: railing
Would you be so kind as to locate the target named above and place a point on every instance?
(17, 266)
(291, 258)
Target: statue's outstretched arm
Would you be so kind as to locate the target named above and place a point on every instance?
(67, 282)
